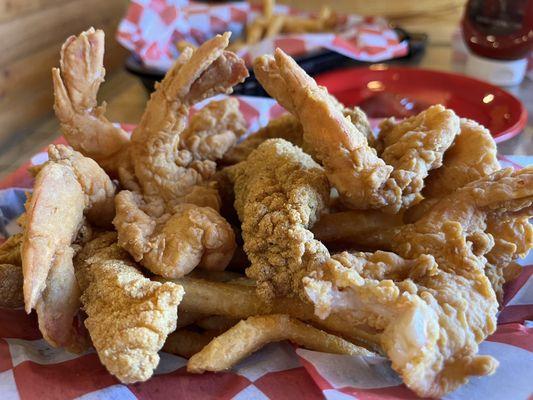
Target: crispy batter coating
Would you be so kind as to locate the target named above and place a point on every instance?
(434, 313)
(353, 167)
(129, 316)
(430, 320)
(415, 146)
(165, 170)
(11, 286)
(173, 225)
(213, 130)
(512, 239)
(279, 194)
(173, 244)
(67, 188)
(285, 127)
(76, 85)
(471, 156)
(289, 128)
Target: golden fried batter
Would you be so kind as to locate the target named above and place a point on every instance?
(279, 194)
(11, 286)
(173, 244)
(128, 316)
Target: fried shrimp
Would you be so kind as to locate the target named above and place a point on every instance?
(279, 194)
(76, 85)
(175, 243)
(173, 225)
(289, 128)
(67, 189)
(363, 179)
(163, 168)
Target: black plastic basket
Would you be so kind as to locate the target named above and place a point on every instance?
(313, 64)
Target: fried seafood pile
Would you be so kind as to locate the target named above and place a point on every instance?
(334, 239)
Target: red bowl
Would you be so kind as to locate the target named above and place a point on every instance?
(386, 91)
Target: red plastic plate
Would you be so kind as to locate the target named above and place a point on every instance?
(394, 90)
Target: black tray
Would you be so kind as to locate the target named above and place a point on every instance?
(313, 64)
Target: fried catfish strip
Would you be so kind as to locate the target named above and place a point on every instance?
(279, 194)
(362, 178)
(128, 315)
(67, 189)
(11, 286)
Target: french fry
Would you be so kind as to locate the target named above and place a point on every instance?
(183, 44)
(274, 25)
(186, 318)
(185, 343)
(248, 336)
(268, 8)
(295, 24)
(367, 228)
(255, 30)
(241, 301)
(216, 323)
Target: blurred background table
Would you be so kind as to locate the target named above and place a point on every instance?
(36, 30)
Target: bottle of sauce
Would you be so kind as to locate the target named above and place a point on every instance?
(499, 35)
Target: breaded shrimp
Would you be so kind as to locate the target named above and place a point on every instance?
(362, 178)
(213, 130)
(68, 188)
(175, 243)
(76, 85)
(177, 207)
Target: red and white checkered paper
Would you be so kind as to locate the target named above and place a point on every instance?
(30, 369)
(151, 29)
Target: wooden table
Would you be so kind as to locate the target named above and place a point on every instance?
(126, 98)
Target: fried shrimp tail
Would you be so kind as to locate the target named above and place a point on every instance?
(173, 224)
(352, 166)
(76, 85)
